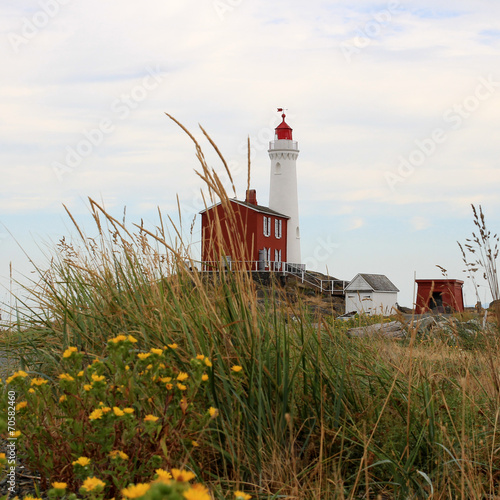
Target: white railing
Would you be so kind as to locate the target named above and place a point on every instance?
(253, 265)
(329, 285)
(283, 144)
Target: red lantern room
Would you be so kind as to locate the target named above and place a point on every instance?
(283, 130)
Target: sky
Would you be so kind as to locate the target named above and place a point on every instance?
(395, 106)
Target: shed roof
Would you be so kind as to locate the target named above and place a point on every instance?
(375, 282)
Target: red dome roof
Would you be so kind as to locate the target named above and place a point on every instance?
(283, 130)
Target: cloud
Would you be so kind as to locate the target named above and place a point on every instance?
(420, 223)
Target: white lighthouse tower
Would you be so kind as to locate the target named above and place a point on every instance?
(283, 198)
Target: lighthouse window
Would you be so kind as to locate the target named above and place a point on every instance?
(277, 169)
(277, 228)
(297, 232)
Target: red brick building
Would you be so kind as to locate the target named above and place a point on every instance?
(244, 236)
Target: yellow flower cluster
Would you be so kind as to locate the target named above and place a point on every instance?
(123, 338)
(204, 359)
(197, 492)
(66, 376)
(150, 418)
(38, 381)
(135, 490)
(183, 476)
(17, 374)
(163, 475)
(93, 483)
(69, 351)
(118, 454)
(236, 368)
(21, 405)
(240, 495)
(95, 415)
(157, 351)
(83, 461)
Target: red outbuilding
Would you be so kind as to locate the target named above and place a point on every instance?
(244, 235)
(440, 295)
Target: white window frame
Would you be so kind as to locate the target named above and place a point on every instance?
(278, 225)
(267, 226)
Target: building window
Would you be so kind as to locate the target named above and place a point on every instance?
(278, 228)
(267, 226)
(277, 169)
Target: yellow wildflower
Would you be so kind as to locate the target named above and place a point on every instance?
(80, 373)
(143, 355)
(157, 351)
(127, 368)
(131, 339)
(169, 387)
(105, 409)
(87, 387)
(98, 378)
(31, 391)
(95, 415)
(207, 362)
(20, 373)
(181, 387)
(182, 376)
(240, 495)
(38, 381)
(118, 338)
(59, 486)
(182, 476)
(15, 434)
(236, 368)
(150, 418)
(83, 461)
(69, 351)
(128, 411)
(164, 380)
(173, 346)
(204, 377)
(200, 357)
(92, 483)
(118, 454)
(195, 444)
(136, 490)
(213, 411)
(63, 398)
(118, 412)
(66, 376)
(197, 492)
(163, 475)
(22, 404)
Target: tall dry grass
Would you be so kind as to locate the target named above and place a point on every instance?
(315, 414)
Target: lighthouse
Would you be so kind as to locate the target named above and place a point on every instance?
(283, 197)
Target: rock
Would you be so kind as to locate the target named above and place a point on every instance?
(393, 330)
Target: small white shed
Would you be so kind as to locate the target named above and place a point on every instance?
(371, 294)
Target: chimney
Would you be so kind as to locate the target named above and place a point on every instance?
(251, 196)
